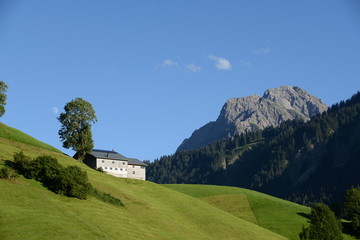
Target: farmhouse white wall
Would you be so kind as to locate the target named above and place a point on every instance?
(135, 171)
(114, 167)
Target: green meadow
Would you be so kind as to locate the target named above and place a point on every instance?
(283, 217)
(277, 215)
(15, 135)
(30, 211)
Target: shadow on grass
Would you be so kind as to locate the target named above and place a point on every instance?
(305, 215)
(9, 163)
(347, 229)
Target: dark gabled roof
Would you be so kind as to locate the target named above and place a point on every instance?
(134, 161)
(106, 154)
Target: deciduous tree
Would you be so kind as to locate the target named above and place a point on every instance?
(76, 122)
(3, 97)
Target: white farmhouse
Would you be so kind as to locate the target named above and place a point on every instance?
(115, 164)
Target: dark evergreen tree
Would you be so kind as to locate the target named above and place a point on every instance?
(352, 209)
(323, 225)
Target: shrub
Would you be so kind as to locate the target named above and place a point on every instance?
(43, 169)
(22, 164)
(46, 169)
(106, 197)
(7, 173)
(72, 182)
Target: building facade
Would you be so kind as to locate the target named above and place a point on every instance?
(115, 164)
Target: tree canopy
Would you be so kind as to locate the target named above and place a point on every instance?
(323, 225)
(352, 209)
(75, 132)
(3, 97)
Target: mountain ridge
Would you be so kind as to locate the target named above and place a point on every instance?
(254, 112)
(305, 162)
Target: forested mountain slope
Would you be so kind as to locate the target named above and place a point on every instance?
(302, 161)
(251, 113)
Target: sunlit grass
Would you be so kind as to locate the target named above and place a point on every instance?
(15, 135)
(30, 211)
(282, 217)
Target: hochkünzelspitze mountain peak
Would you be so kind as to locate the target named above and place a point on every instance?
(245, 114)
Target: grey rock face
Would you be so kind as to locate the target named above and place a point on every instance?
(241, 115)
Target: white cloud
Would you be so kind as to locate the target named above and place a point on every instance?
(169, 63)
(262, 51)
(192, 67)
(245, 63)
(221, 63)
(55, 110)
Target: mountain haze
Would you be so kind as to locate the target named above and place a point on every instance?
(246, 114)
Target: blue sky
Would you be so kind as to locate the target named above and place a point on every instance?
(155, 71)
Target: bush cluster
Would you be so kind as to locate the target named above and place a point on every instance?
(70, 181)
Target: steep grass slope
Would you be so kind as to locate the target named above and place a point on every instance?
(283, 217)
(30, 211)
(18, 136)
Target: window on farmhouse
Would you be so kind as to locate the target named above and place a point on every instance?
(133, 166)
(120, 169)
(102, 161)
(124, 163)
(105, 167)
(116, 169)
(111, 168)
(133, 172)
(113, 162)
(142, 167)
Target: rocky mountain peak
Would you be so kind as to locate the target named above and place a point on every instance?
(295, 98)
(241, 115)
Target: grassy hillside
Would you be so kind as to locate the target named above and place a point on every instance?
(15, 135)
(282, 217)
(30, 211)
